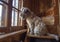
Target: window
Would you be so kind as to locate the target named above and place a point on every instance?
(5, 6)
(14, 17)
(15, 3)
(3, 14)
(15, 12)
(16, 6)
(0, 14)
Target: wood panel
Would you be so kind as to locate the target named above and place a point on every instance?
(16, 28)
(52, 29)
(55, 12)
(6, 39)
(35, 6)
(58, 30)
(4, 30)
(27, 3)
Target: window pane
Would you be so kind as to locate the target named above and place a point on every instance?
(14, 17)
(15, 3)
(3, 15)
(0, 13)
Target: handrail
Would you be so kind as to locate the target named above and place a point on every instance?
(13, 33)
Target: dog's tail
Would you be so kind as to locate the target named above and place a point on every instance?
(54, 36)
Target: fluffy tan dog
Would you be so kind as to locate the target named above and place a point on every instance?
(35, 24)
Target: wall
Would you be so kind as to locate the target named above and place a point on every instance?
(27, 3)
(59, 11)
(35, 6)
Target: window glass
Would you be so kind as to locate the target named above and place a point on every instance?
(0, 14)
(15, 3)
(16, 20)
(3, 14)
(14, 17)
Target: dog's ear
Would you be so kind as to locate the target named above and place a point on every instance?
(26, 10)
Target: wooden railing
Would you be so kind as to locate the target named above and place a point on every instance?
(12, 36)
